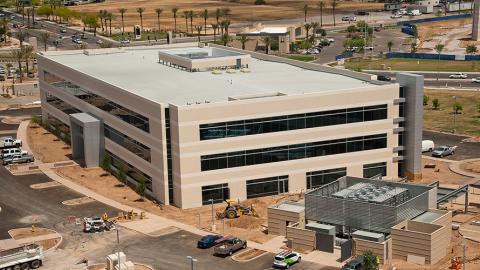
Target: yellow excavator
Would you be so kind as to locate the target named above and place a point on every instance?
(234, 209)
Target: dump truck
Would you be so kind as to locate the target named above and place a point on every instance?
(229, 246)
(13, 256)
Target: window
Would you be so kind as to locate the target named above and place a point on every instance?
(292, 152)
(60, 104)
(402, 92)
(58, 128)
(104, 104)
(133, 173)
(292, 122)
(169, 154)
(218, 193)
(267, 186)
(371, 170)
(128, 143)
(401, 139)
(319, 178)
(401, 110)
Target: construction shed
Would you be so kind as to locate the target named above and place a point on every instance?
(283, 214)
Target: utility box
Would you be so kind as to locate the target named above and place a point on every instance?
(112, 260)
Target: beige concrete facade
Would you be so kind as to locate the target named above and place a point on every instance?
(279, 218)
(300, 238)
(187, 148)
(382, 250)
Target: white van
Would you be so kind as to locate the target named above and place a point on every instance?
(427, 146)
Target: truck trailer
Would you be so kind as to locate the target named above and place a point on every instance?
(24, 257)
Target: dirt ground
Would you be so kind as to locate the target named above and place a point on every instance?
(250, 254)
(103, 266)
(46, 146)
(472, 166)
(441, 173)
(245, 227)
(241, 11)
(23, 233)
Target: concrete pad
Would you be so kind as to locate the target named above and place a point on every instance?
(324, 258)
(45, 185)
(78, 201)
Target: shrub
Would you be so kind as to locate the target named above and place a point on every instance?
(140, 189)
(260, 2)
(435, 104)
(106, 162)
(122, 176)
(425, 100)
(457, 107)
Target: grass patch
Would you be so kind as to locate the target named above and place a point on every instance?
(413, 64)
(467, 122)
(145, 36)
(301, 57)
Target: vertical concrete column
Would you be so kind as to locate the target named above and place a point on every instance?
(413, 85)
(476, 20)
(297, 182)
(85, 135)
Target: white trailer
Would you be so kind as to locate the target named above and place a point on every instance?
(454, 6)
(14, 257)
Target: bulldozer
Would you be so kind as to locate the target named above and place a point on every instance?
(234, 209)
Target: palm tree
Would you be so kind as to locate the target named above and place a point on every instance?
(140, 11)
(226, 25)
(315, 26)
(226, 12)
(321, 5)
(267, 40)
(101, 15)
(17, 54)
(226, 39)
(205, 17)
(4, 25)
(109, 17)
(186, 15)
(214, 27)
(334, 5)
(44, 36)
(122, 14)
(390, 45)
(243, 40)
(21, 37)
(198, 28)
(307, 27)
(439, 48)
(158, 11)
(305, 11)
(174, 12)
(27, 54)
(191, 15)
(218, 14)
(33, 15)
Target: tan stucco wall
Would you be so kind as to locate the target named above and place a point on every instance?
(300, 239)
(383, 250)
(279, 219)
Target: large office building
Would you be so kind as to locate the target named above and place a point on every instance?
(210, 123)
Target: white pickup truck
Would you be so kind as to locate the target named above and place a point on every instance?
(6, 142)
(21, 257)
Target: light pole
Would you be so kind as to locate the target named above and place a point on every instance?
(213, 219)
(454, 113)
(192, 260)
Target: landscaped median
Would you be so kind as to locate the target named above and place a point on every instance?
(407, 64)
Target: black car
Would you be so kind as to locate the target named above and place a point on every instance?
(361, 13)
(383, 78)
(208, 241)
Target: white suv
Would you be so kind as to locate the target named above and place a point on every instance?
(458, 75)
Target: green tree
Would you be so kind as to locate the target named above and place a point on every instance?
(321, 5)
(439, 48)
(205, 18)
(435, 104)
(260, 2)
(471, 49)
(174, 12)
(306, 8)
(225, 39)
(20, 35)
(390, 45)
(140, 188)
(214, 27)
(191, 15)
(45, 10)
(315, 26)
(425, 100)
(413, 47)
(109, 18)
(198, 28)
(218, 15)
(140, 11)
(158, 11)
(27, 55)
(307, 27)
(106, 162)
(122, 176)
(370, 260)
(122, 15)
(457, 106)
(17, 54)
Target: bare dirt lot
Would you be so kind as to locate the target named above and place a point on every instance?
(46, 146)
(472, 166)
(23, 233)
(441, 173)
(246, 227)
(241, 11)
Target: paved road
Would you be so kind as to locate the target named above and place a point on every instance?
(465, 150)
(443, 82)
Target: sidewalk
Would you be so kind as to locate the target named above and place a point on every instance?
(455, 167)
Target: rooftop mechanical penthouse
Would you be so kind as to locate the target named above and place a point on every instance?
(203, 123)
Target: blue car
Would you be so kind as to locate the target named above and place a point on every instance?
(208, 241)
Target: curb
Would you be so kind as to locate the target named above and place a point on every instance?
(455, 167)
(439, 159)
(234, 257)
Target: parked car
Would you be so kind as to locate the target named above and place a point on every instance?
(349, 18)
(427, 146)
(402, 11)
(229, 246)
(414, 12)
(6, 142)
(15, 159)
(383, 78)
(443, 151)
(396, 16)
(476, 80)
(285, 259)
(458, 75)
(63, 30)
(361, 13)
(356, 264)
(6, 153)
(77, 41)
(31, 75)
(208, 241)
(99, 42)
(125, 41)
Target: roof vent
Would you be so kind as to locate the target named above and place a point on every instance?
(245, 70)
(231, 71)
(216, 72)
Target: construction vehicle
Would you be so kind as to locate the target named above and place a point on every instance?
(13, 256)
(234, 209)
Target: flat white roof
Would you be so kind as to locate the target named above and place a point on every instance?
(137, 70)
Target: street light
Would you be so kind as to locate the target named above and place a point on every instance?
(213, 219)
(454, 113)
(192, 260)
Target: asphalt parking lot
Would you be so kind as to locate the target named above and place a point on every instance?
(465, 150)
